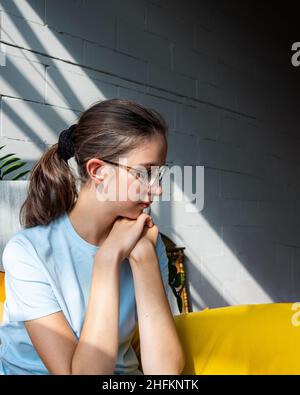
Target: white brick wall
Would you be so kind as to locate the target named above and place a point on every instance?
(229, 102)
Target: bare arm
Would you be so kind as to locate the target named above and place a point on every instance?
(161, 350)
(96, 350)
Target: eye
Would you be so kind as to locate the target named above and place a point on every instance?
(144, 173)
(139, 174)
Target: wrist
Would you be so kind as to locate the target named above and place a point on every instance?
(108, 254)
(143, 255)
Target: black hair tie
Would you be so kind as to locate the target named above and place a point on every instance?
(65, 143)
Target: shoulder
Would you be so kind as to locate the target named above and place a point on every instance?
(18, 253)
(29, 293)
(20, 239)
(24, 248)
(36, 235)
(25, 238)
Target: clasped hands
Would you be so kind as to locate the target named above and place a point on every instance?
(146, 243)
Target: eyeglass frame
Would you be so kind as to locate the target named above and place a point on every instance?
(131, 169)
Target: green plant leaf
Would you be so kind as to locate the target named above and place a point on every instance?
(179, 280)
(13, 167)
(20, 175)
(6, 156)
(8, 161)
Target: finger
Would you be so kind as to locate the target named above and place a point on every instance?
(149, 222)
(143, 218)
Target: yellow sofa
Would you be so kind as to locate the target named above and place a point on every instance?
(249, 339)
(242, 339)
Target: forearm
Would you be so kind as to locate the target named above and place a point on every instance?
(97, 349)
(161, 350)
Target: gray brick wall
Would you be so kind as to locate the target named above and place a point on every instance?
(227, 94)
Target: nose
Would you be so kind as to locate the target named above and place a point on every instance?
(155, 190)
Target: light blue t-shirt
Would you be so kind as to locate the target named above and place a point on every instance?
(48, 268)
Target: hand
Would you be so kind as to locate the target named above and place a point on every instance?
(146, 243)
(125, 233)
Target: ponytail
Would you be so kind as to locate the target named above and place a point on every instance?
(52, 190)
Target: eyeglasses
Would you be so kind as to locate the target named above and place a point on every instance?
(146, 177)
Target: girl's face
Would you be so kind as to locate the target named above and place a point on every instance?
(125, 192)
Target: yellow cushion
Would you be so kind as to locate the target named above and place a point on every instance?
(242, 339)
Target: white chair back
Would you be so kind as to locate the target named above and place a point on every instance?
(12, 196)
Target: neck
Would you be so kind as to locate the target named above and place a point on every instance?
(93, 225)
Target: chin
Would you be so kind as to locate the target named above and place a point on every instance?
(134, 213)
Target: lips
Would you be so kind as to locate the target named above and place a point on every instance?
(145, 204)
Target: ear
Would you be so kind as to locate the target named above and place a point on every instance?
(99, 175)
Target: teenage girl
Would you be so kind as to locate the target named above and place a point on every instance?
(85, 270)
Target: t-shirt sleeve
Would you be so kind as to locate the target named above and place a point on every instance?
(29, 294)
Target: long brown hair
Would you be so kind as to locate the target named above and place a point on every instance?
(106, 130)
